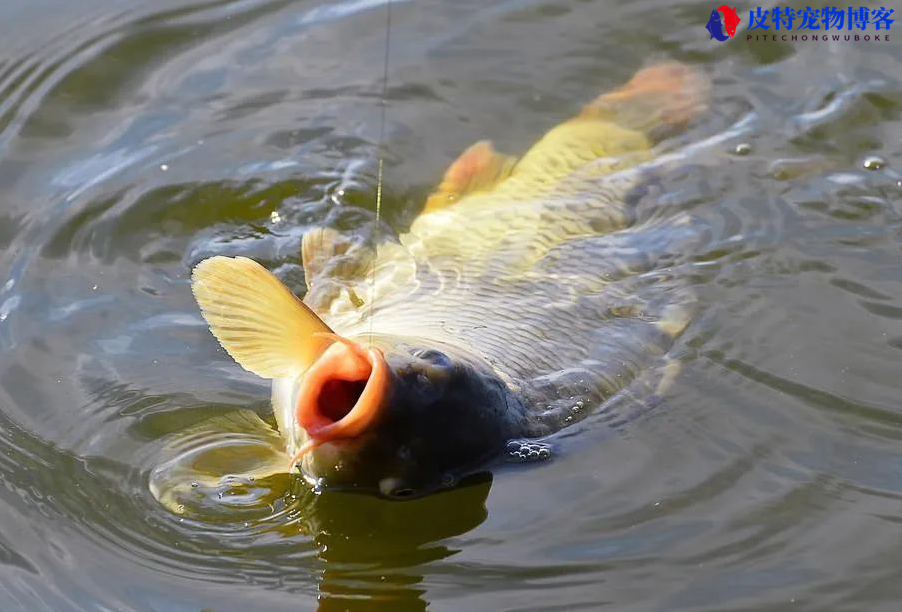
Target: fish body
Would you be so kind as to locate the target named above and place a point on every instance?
(519, 298)
(715, 27)
(730, 19)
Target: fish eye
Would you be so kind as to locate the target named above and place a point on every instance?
(433, 356)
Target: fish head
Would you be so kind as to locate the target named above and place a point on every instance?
(393, 415)
(399, 418)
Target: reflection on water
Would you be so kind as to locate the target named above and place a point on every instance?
(375, 559)
(137, 138)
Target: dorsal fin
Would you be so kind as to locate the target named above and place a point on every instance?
(479, 168)
(256, 318)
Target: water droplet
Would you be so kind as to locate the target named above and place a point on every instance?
(164, 167)
(94, 288)
(874, 162)
(275, 217)
(743, 148)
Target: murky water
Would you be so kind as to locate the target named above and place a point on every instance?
(137, 138)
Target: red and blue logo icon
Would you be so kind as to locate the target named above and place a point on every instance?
(728, 25)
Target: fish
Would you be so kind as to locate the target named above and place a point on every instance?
(730, 19)
(526, 295)
(714, 26)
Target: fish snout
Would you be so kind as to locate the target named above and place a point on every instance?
(343, 393)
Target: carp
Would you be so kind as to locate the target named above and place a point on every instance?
(524, 295)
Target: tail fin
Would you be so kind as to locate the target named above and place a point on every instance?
(658, 100)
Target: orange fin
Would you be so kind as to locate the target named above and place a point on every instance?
(479, 168)
(665, 97)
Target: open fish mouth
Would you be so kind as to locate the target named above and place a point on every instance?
(342, 394)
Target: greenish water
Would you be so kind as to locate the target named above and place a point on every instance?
(137, 138)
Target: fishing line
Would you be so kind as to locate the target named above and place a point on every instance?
(381, 151)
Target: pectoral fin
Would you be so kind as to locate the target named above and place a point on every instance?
(479, 168)
(318, 246)
(256, 318)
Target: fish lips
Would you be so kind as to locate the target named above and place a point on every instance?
(341, 395)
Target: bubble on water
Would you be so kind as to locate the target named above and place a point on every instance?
(874, 162)
(275, 217)
(743, 148)
(525, 451)
(164, 167)
(194, 485)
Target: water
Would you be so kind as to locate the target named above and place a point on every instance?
(137, 138)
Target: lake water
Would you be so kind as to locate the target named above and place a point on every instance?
(137, 138)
